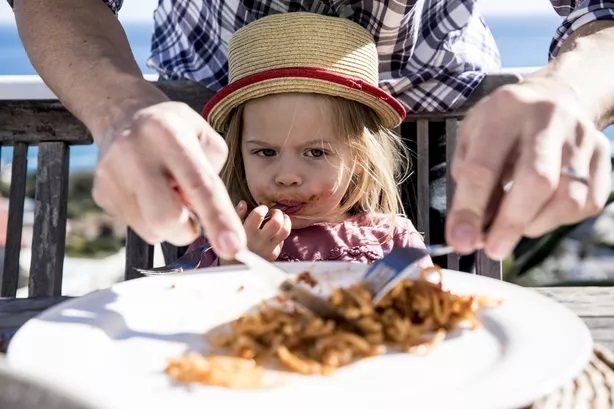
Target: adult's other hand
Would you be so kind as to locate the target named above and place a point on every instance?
(530, 134)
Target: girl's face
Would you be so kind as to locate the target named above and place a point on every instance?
(293, 156)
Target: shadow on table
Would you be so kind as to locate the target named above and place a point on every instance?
(20, 390)
(98, 314)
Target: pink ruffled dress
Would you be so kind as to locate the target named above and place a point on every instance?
(361, 238)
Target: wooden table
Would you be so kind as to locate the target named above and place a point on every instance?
(595, 305)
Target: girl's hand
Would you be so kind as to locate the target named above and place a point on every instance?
(266, 239)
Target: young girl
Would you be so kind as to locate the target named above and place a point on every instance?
(309, 131)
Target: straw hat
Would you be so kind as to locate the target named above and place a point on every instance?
(302, 52)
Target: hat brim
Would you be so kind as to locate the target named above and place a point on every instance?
(302, 80)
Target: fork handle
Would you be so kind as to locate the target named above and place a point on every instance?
(435, 250)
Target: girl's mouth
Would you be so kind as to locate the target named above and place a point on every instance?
(292, 206)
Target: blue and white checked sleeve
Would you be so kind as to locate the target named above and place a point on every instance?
(578, 14)
(114, 5)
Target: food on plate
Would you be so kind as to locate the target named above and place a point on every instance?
(307, 278)
(413, 317)
(231, 372)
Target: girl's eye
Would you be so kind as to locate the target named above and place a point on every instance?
(315, 153)
(265, 152)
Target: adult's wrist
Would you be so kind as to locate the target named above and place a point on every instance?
(114, 111)
(561, 91)
(583, 66)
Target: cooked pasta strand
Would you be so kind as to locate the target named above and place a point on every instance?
(415, 316)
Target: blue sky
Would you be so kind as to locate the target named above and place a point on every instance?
(141, 10)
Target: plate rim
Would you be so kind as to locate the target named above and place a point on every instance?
(573, 367)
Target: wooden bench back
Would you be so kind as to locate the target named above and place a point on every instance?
(47, 124)
(24, 124)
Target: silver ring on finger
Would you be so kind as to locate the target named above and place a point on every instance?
(573, 174)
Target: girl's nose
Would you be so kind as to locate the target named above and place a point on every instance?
(288, 178)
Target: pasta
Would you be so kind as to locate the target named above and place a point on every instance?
(413, 317)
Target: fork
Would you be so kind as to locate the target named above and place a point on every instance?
(380, 278)
(191, 260)
(280, 280)
(383, 275)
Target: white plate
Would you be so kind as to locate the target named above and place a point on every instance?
(111, 346)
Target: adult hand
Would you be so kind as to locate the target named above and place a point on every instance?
(265, 238)
(140, 157)
(525, 134)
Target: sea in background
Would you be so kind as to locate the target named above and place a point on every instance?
(523, 42)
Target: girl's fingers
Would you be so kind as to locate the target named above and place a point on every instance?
(254, 219)
(284, 230)
(241, 209)
(274, 224)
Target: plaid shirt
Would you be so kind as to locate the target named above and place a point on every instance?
(433, 53)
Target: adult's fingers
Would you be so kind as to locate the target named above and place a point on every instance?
(601, 173)
(212, 144)
(127, 209)
(120, 202)
(568, 203)
(476, 173)
(158, 206)
(215, 148)
(208, 195)
(162, 206)
(574, 200)
(535, 179)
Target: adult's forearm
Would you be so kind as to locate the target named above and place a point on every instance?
(81, 51)
(585, 64)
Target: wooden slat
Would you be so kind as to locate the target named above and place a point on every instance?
(34, 121)
(585, 301)
(172, 253)
(14, 312)
(485, 266)
(595, 305)
(49, 237)
(423, 188)
(191, 93)
(602, 330)
(451, 137)
(407, 188)
(138, 254)
(10, 275)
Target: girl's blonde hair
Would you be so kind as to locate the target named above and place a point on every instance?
(379, 151)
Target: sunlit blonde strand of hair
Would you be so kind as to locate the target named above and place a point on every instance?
(383, 158)
(233, 172)
(382, 155)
